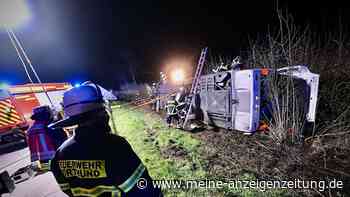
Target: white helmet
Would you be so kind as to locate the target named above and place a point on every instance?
(79, 101)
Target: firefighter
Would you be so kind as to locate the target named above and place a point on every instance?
(222, 68)
(154, 96)
(181, 95)
(171, 111)
(95, 162)
(41, 145)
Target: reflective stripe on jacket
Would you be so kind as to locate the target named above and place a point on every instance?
(99, 165)
(103, 189)
(171, 107)
(96, 191)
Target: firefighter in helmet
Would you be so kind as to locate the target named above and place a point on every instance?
(95, 162)
(171, 111)
(41, 145)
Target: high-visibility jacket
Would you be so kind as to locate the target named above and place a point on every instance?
(171, 107)
(99, 164)
(41, 146)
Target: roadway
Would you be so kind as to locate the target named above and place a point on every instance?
(43, 185)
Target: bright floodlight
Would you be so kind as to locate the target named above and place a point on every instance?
(13, 13)
(178, 75)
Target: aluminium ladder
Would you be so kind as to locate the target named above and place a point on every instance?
(195, 83)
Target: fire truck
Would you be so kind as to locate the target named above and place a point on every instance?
(16, 104)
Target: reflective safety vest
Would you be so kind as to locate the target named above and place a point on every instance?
(98, 190)
(171, 107)
(100, 166)
(40, 144)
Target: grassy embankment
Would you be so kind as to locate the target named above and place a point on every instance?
(171, 154)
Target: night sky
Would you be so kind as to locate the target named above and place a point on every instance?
(105, 40)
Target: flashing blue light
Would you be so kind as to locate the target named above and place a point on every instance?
(77, 85)
(4, 85)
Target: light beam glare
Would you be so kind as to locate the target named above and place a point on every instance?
(178, 75)
(13, 13)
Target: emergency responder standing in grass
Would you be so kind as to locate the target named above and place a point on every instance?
(95, 162)
(171, 111)
(41, 146)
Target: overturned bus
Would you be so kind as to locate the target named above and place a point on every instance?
(238, 99)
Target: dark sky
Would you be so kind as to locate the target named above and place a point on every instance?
(103, 40)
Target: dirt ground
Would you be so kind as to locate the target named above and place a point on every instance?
(231, 154)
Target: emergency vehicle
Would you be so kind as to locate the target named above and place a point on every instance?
(16, 104)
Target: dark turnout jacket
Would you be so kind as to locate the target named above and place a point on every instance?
(95, 162)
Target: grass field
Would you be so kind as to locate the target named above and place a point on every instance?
(172, 154)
